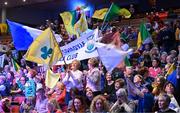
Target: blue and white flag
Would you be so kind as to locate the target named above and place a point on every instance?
(23, 35)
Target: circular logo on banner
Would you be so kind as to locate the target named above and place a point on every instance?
(90, 47)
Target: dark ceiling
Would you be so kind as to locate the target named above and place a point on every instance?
(17, 3)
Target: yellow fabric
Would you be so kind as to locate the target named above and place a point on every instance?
(3, 28)
(171, 69)
(99, 14)
(125, 13)
(139, 41)
(44, 49)
(81, 25)
(51, 79)
(177, 34)
(67, 19)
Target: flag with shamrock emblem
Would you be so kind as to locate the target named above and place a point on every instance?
(44, 49)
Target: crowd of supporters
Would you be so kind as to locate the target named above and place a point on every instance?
(86, 86)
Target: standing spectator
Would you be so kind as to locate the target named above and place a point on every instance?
(73, 78)
(93, 76)
(132, 10)
(109, 87)
(30, 86)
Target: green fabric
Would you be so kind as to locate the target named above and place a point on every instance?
(126, 60)
(144, 32)
(73, 13)
(112, 12)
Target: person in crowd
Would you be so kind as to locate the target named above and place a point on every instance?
(30, 86)
(89, 96)
(53, 106)
(3, 87)
(93, 76)
(109, 87)
(27, 105)
(169, 59)
(21, 87)
(41, 101)
(155, 70)
(163, 58)
(78, 105)
(170, 91)
(73, 78)
(73, 92)
(163, 104)
(146, 59)
(59, 94)
(99, 105)
(158, 85)
(122, 104)
(145, 73)
(154, 53)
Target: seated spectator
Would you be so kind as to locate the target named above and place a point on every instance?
(78, 105)
(170, 91)
(99, 105)
(53, 106)
(122, 104)
(163, 103)
(3, 88)
(89, 96)
(41, 101)
(27, 105)
(59, 94)
(155, 70)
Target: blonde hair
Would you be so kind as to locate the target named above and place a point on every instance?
(78, 63)
(93, 104)
(94, 62)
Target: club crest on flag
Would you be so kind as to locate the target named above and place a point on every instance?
(90, 46)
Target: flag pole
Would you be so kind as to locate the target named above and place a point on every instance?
(106, 16)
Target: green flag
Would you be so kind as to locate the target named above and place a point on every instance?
(15, 65)
(127, 62)
(144, 36)
(113, 11)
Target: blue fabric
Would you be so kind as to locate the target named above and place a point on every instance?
(21, 37)
(67, 98)
(172, 78)
(30, 88)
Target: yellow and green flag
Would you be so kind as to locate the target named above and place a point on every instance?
(81, 25)
(15, 65)
(144, 36)
(69, 18)
(44, 49)
(99, 14)
(109, 13)
(51, 79)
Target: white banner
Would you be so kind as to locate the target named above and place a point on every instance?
(2, 60)
(80, 49)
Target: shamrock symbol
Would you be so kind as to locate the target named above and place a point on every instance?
(46, 52)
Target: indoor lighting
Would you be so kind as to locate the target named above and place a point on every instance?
(5, 3)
